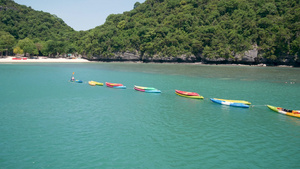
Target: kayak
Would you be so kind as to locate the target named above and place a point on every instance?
(93, 83)
(147, 89)
(144, 88)
(293, 113)
(187, 93)
(115, 85)
(192, 95)
(119, 87)
(76, 81)
(229, 103)
(235, 101)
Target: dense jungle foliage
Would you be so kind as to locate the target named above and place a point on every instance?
(36, 32)
(164, 28)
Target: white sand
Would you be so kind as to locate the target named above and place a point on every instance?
(42, 60)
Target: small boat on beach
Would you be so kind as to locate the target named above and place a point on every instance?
(146, 89)
(115, 85)
(94, 83)
(16, 58)
(293, 113)
(191, 95)
(219, 101)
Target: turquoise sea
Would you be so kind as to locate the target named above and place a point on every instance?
(48, 122)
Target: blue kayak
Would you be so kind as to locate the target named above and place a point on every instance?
(146, 89)
(230, 103)
(119, 87)
(76, 81)
(152, 91)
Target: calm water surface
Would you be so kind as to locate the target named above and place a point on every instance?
(48, 122)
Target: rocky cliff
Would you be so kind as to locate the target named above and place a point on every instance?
(250, 57)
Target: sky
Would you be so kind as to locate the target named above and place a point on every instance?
(81, 14)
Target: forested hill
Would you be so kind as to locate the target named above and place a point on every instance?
(205, 29)
(192, 30)
(49, 34)
(21, 22)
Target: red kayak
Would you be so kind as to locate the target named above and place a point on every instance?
(113, 84)
(187, 93)
(141, 90)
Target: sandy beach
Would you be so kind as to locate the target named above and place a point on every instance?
(10, 59)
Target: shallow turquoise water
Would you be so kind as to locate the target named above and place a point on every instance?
(48, 122)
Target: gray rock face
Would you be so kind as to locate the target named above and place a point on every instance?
(127, 56)
(250, 57)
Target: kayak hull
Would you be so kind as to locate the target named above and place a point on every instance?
(144, 88)
(280, 110)
(186, 93)
(229, 103)
(94, 83)
(115, 85)
(76, 81)
(119, 87)
(192, 97)
(235, 101)
(147, 91)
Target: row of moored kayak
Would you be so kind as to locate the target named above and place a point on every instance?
(194, 95)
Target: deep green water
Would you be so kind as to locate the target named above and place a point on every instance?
(48, 122)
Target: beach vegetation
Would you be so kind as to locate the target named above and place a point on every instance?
(18, 50)
(27, 46)
(7, 41)
(23, 22)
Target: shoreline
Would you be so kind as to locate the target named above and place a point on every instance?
(11, 59)
(198, 63)
(41, 59)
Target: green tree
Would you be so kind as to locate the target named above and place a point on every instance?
(7, 41)
(27, 46)
(122, 25)
(18, 50)
(39, 47)
(137, 4)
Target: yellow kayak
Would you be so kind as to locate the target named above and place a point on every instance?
(235, 101)
(294, 113)
(192, 97)
(93, 83)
